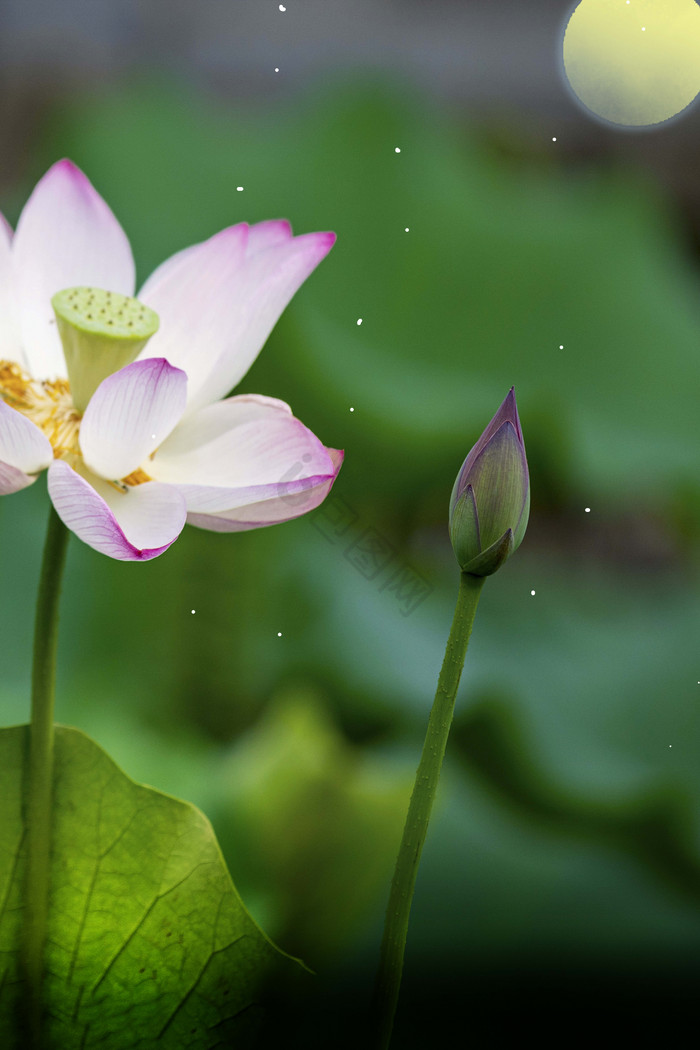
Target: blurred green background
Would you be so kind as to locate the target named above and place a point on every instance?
(561, 878)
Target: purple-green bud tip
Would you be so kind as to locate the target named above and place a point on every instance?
(490, 501)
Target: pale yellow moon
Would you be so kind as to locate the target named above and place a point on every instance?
(634, 62)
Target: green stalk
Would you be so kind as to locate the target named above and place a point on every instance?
(39, 778)
(388, 982)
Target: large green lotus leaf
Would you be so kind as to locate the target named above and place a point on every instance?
(148, 942)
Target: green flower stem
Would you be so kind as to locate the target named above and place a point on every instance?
(386, 991)
(39, 779)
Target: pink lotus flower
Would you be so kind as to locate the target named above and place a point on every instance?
(155, 446)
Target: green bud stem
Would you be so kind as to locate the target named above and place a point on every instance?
(388, 982)
(38, 786)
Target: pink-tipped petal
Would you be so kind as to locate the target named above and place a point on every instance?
(219, 304)
(6, 231)
(130, 414)
(270, 279)
(199, 432)
(13, 480)
(240, 451)
(271, 511)
(66, 236)
(10, 337)
(192, 295)
(22, 445)
(267, 234)
(130, 526)
(241, 240)
(228, 245)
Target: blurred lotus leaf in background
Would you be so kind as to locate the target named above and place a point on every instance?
(311, 816)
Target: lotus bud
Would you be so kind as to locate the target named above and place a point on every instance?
(490, 501)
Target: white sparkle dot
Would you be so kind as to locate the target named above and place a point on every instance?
(153, 436)
(279, 634)
(359, 320)
(239, 188)
(587, 509)
(532, 592)
(644, 29)
(670, 745)
(352, 410)
(193, 612)
(405, 230)
(554, 138)
(561, 346)
(397, 149)
(277, 69)
(282, 7)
